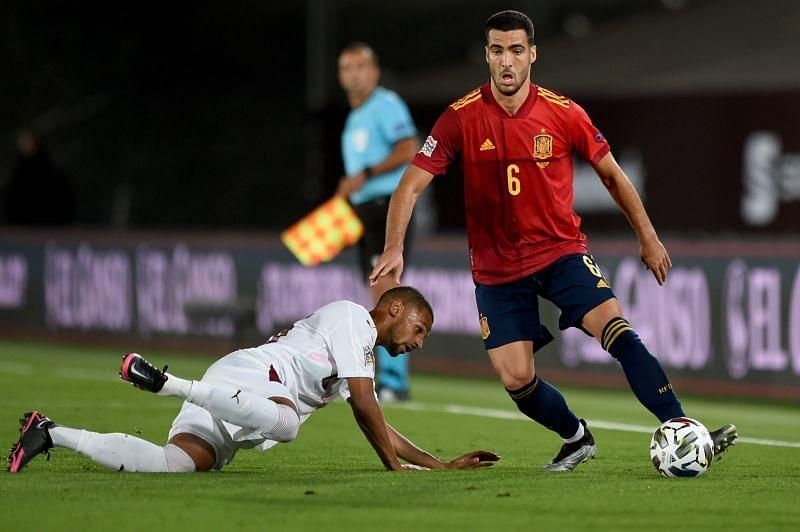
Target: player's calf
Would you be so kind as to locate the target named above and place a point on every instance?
(542, 402)
(645, 375)
(119, 452)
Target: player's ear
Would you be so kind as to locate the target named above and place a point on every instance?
(533, 54)
(486, 49)
(396, 308)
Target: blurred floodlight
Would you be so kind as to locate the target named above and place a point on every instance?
(674, 5)
(577, 25)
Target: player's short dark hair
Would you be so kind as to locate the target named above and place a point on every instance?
(509, 20)
(409, 295)
(360, 46)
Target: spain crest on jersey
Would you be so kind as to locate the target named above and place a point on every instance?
(542, 146)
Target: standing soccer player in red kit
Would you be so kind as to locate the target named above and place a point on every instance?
(513, 141)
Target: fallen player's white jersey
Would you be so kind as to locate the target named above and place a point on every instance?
(322, 350)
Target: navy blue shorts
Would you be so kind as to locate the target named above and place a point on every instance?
(510, 312)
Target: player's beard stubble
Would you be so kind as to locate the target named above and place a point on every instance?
(510, 90)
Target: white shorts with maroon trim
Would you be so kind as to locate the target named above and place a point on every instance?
(242, 370)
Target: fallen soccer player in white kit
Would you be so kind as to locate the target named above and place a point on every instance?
(259, 397)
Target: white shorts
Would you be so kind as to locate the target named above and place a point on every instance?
(242, 370)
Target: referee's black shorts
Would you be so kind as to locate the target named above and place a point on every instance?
(372, 214)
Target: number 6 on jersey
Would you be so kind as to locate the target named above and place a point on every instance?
(514, 186)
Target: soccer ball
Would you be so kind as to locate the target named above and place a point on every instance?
(681, 447)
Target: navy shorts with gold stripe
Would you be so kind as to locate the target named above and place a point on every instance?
(510, 312)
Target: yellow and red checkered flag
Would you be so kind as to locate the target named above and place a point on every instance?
(324, 232)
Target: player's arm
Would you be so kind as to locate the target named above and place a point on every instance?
(413, 182)
(651, 250)
(409, 452)
(370, 419)
(402, 152)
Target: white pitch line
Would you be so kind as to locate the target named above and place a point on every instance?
(72, 405)
(87, 374)
(16, 368)
(600, 424)
(773, 443)
(69, 372)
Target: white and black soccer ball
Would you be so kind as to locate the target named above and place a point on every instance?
(681, 447)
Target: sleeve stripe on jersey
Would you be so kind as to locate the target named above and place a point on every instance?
(466, 100)
(548, 92)
(562, 103)
(468, 95)
(554, 98)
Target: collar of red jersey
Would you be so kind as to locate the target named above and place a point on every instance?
(522, 112)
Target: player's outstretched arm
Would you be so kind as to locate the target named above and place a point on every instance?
(651, 250)
(370, 419)
(409, 452)
(401, 206)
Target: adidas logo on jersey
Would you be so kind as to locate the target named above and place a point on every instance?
(487, 145)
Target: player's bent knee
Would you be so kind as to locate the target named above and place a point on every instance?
(199, 452)
(517, 378)
(287, 427)
(513, 363)
(178, 460)
(516, 383)
(522, 394)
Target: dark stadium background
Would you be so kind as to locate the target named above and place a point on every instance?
(214, 126)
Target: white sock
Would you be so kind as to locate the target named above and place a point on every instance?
(65, 437)
(115, 451)
(274, 421)
(176, 387)
(578, 435)
(122, 452)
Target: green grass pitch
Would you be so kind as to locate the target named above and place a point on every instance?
(330, 479)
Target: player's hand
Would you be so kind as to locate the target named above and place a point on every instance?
(391, 260)
(414, 467)
(654, 255)
(473, 460)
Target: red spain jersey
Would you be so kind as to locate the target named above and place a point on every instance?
(517, 177)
